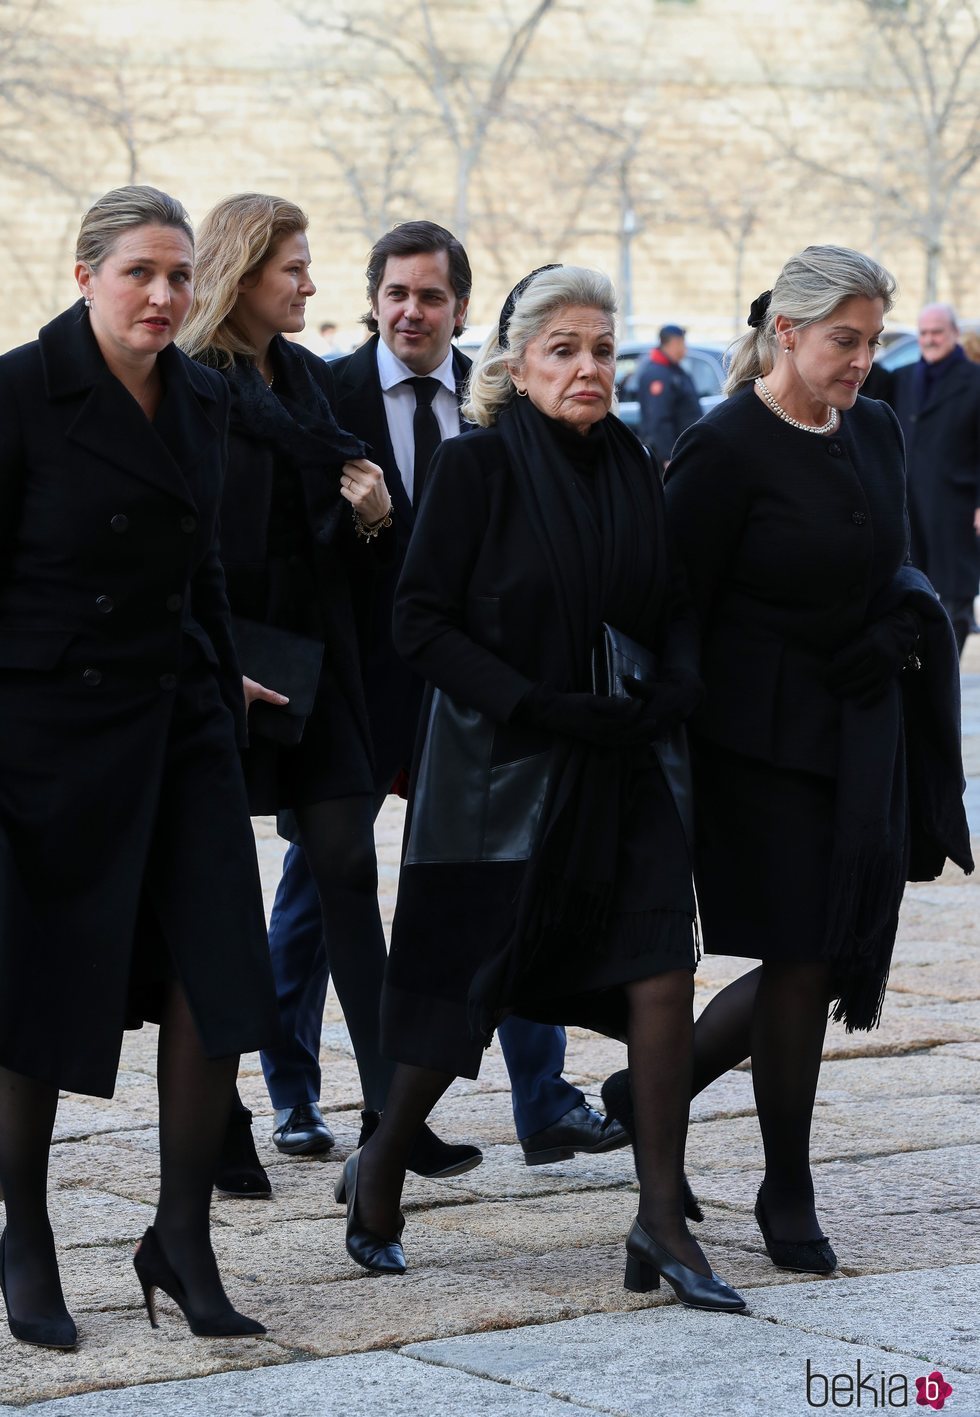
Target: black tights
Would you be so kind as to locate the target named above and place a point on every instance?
(195, 1094)
(337, 838)
(660, 1027)
(777, 1015)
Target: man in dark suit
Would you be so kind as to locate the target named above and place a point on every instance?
(938, 405)
(400, 392)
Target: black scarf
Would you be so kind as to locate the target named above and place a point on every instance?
(294, 415)
(604, 548)
(894, 799)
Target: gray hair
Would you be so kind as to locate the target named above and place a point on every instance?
(809, 288)
(943, 309)
(123, 209)
(490, 385)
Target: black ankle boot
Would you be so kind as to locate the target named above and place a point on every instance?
(239, 1171)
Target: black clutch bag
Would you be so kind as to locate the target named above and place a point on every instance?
(286, 662)
(617, 657)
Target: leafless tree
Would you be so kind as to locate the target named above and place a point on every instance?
(442, 94)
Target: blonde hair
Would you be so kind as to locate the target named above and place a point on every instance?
(490, 385)
(809, 288)
(121, 210)
(234, 241)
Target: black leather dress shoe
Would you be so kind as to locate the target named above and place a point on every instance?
(239, 1171)
(430, 1155)
(301, 1131)
(581, 1129)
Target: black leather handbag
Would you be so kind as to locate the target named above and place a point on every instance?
(617, 657)
(286, 662)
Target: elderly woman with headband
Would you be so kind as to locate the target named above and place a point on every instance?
(826, 753)
(546, 869)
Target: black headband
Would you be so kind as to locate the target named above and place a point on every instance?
(759, 309)
(510, 303)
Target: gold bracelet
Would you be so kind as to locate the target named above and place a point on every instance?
(366, 532)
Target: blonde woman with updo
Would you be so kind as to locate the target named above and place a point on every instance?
(826, 753)
(122, 710)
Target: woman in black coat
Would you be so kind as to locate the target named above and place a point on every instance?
(546, 869)
(121, 704)
(303, 516)
(828, 666)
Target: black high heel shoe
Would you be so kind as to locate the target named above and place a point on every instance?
(57, 1332)
(646, 1261)
(155, 1271)
(366, 1249)
(804, 1256)
(618, 1102)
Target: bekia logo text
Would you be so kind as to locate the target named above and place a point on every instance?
(873, 1389)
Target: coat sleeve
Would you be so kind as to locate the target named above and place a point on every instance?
(656, 411)
(13, 462)
(706, 510)
(210, 601)
(429, 623)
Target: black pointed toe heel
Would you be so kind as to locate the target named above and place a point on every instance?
(370, 1251)
(154, 1271)
(647, 1261)
(803, 1256)
(57, 1331)
(617, 1098)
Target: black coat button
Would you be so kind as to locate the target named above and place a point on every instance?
(168, 681)
(92, 677)
(174, 602)
(105, 603)
(835, 450)
(859, 518)
(120, 523)
(188, 524)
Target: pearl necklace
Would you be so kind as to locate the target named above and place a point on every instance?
(827, 427)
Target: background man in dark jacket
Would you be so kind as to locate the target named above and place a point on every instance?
(938, 405)
(400, 392)
(668, 399)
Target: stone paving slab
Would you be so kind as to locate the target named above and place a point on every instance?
(679, 1360)
(382, 1384)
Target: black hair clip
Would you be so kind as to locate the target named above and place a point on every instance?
(759, 309)
(511, 302)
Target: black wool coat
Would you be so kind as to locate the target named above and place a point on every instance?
(392, 690)
(121, 796)
(786, 539)
(943, 449)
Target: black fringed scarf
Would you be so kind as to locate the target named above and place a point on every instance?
(295, 416)
(605, 552)
(896, 799)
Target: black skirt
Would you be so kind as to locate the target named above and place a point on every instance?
(452, 918)
(762, 859)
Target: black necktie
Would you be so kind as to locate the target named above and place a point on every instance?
(425, 427)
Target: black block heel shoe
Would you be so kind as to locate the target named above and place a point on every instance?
(57, 1332)
(804, 1256)
(154, 1271)
(371, 1251)
(646, 1261)
(617, 1099)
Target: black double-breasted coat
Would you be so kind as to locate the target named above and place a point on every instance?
(124, 831)
(942, 441)
(392, 690)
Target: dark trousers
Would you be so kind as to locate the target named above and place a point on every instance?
(533, 1052)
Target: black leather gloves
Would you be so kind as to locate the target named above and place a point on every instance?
(671, 700)
(605, 722)
(863, 668)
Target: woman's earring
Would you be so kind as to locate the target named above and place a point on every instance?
(522, 393)
(88, 302)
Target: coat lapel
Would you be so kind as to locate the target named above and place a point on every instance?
(110, 424)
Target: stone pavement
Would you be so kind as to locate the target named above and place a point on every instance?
(513, 1305)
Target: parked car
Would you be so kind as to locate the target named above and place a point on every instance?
(702, 361)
